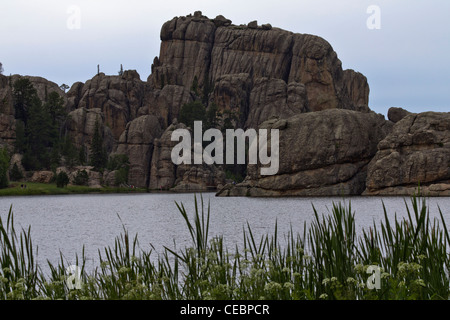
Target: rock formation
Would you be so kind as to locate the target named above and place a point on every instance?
(7, 119)
(80, 126)
(417, 151)
(137, 143)
(165, 175)
(119, 98)
(320, 154)
(397, 114)
(277, 64)
(331, 143)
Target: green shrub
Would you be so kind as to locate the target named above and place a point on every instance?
(4, 166)
(81, 178)
(193, 111)
(62, 179)
(16, 173)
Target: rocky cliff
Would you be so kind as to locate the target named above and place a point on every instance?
(322, 153)
(258, 71)
(7, 119)
(259, 76)
(416, 152)
(253, 71)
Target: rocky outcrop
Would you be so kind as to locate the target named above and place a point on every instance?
(320, 154)
(263, 77)
(43, 86)
(7, 119)
(119, 98)
(273, 97)
(166, 103)
(94, 179)
(416, 152)
(42, 176)
(137, 143)
(397, 114)
(252, 66)
(80, 127)
(165, 175)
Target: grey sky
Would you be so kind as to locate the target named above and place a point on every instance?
(406, 61)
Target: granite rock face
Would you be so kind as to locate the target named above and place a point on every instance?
(118, 97)
(165, 175)
(249, 66)
(43, 86)
(331, 143)
(80, 126)
(7, 119)
(417, 151)
(397, 114)
(320, 154)
(137, 143)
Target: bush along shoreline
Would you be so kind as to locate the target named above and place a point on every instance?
(394, 260)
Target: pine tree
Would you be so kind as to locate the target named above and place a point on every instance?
(98, 157)
(24, 95)
(4, 166)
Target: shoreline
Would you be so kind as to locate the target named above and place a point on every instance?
(42, 189)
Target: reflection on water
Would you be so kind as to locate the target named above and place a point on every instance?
(66, 223)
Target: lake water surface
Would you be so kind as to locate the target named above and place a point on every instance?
(66, 223)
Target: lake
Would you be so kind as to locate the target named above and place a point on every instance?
(66, 223)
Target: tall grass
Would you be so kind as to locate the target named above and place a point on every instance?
(328, 260)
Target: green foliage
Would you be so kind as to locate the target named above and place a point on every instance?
(55, 109)
(194, 87)
(25, 96)
(15, 174)
(121, 165)
(82, 155)
(121, 176)
(98, 156)
(235, 176)
(70, 152)
(38, 125)
(4, 167)
(208, 87)
(117, 161)
(212, 120)
(193, 111)
(21, 140)
(62, 179)
(81, 178)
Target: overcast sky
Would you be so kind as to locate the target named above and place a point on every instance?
(406, 59)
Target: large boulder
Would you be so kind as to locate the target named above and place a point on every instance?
(320, 154)
(137, 143)
(416, 152)
(396, 114)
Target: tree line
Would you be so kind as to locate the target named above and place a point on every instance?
(42, 140)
